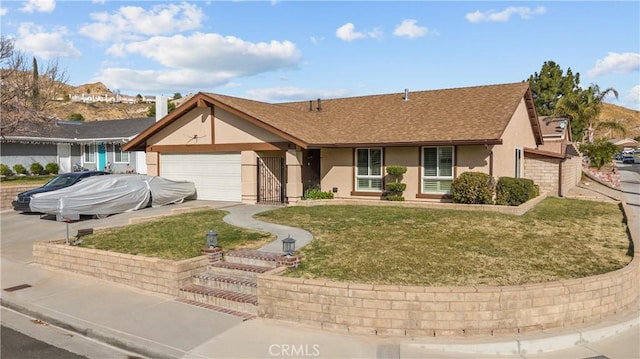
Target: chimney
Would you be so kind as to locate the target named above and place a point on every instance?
(319, 105)
(162, 107)
(406, 95)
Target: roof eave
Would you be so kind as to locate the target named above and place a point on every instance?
(488, 142)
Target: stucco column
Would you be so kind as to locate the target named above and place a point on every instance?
(249, 175)
(294, 175)
(152, 159)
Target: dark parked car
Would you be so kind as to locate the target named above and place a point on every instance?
(22, 200)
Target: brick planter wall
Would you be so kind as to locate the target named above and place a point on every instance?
(8, 193)
(450, 311)
(152, 274)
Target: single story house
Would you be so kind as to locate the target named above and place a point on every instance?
(236, 149)
(555, 165)
(69, 143)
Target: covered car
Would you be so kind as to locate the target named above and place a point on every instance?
(23, 199)
(105, 195)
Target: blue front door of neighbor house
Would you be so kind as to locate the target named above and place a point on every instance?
(102, 156)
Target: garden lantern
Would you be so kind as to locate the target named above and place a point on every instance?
(212, 239)
(288, 245)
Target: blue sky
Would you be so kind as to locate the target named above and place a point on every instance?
(301, 50)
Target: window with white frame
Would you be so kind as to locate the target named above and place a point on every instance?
(90, 150)
(119, 155)
(369, 169)
(518, 171)
(437, 169)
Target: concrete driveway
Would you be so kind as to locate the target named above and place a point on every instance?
(20, 230)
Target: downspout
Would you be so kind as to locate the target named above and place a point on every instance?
(560, 178)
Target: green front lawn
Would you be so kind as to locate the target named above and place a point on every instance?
(176, 237)
(35, 181)
(559, 239)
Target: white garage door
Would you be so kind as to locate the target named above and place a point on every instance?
(216, 175)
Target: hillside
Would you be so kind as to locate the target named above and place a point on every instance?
(99, 110)
(629, 118)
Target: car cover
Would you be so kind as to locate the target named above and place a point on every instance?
(103, 195)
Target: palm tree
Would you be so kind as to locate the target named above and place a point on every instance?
(583, 109)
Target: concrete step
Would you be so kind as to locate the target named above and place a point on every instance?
(242, 315)
(227, 282)
(239, 302)
(253, 257)
(237, 269)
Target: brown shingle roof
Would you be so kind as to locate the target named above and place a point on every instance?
(472, 114)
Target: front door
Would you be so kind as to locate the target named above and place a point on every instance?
(64, 157)
(102, 156)
(310, 169)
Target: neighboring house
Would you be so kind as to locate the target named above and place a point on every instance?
(556, 165)
(67, 143)
(237, 149)
(626, 143)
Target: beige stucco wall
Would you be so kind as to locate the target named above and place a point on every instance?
(249, 173)
(196, 122)
(336, 170)
(571, 173)
(518, 134)
(153, 168)
(473, 159)
(229, 128)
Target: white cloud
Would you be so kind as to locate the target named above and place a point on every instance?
(504, 15)
(632, 99)
(197, 61)
(161, 81)
(3, 11)
(101, 2)
(214, 52)
(346, 32)
(131, 22)
(38, 6)
(45, 44)
(616, 63)
(287, 94)
(409, 28)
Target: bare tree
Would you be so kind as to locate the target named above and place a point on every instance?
(27, 92)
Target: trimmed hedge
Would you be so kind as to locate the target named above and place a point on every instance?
(473, 188)
(19, 169)
(316, 193)
(5, 170)
(52, 168)
(36, 168)
(515, 191)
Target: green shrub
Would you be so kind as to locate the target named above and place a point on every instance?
(396, 170)
(395, 197)
(5, 170)
(515, 191)
(599, 152)
(473, 188)
(76, 117)
(316, 193)
(52, 168)
(36, 168)
(19, 169)
(396, 187)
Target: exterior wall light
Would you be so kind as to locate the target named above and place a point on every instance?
(212, 239)
(288, 245)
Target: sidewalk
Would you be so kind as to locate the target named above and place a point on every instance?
(158, 326)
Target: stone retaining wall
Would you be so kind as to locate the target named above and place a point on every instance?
(152, 274)
(8, 193)
(450, 311)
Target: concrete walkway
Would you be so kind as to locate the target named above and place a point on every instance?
(242, 216)
(158, 326)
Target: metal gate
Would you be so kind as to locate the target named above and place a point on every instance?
(271, 180)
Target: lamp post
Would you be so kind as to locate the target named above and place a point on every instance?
(212, 239)
(288, 245)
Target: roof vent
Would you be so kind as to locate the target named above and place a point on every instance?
(406, 95)
(319, 105)
(310, 105)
